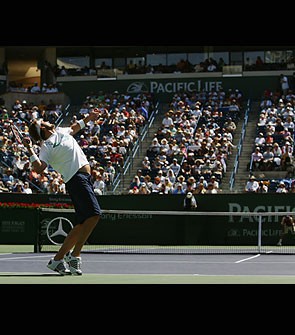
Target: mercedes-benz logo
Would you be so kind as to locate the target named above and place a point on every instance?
(57, 229)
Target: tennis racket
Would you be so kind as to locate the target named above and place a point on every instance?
(17, 134)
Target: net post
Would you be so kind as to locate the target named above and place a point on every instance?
(259, 232)
(37, 230)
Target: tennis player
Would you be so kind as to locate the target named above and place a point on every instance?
(60, 150)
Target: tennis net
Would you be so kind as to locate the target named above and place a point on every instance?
(174, 232)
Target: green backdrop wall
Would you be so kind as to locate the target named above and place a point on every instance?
(164, 89)
(19, 226)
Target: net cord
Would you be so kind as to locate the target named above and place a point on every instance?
(193, 213)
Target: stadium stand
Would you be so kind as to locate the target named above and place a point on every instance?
(273, 146)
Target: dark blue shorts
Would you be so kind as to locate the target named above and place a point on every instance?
(80, 189)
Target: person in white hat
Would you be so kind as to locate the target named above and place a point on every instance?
(252, 184)
(190, 202)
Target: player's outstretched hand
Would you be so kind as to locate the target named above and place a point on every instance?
(94, 114)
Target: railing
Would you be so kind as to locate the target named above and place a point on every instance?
(240, 147)
(137, 148)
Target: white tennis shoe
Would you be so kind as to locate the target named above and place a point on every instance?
(59, 266)
(74, 264)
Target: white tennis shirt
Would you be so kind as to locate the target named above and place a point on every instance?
(63, 153)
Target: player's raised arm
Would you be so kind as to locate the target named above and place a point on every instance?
(80, 124)
(37, 165)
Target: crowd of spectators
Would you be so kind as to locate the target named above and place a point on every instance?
(16, 174)
(35, 88)
(188, 153)
(190, 150)
(273, 147)
(208, 65)
(182, 66)
(106, 142)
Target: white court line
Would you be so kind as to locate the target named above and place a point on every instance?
(154, 261)
(101, 274)
(122, 261)
(147, 275)
(20, 257)
(192, 262)
(246, 259)
(160, 262)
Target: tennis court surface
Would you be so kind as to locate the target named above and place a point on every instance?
(20, 265)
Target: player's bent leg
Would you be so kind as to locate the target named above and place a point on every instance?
(86, 229)
(73, 259)
(69, 242)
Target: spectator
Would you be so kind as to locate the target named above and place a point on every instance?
(259, 62)
(262, 188)
(230, 125)
(287, 225)
(134, 190)
(211, 67)
(99, 185)
(111, 171)
(252, 185)
(61, 187)
(167, 186)
(257, 159)
(259, 140)
(157, 185)
(171, 176)
(35, 88)
(178, 189)
(211, 189)
(135, 182)
(201, 189)
(281, 188)
(143, 189)
(167, 120)
(18, 187)
(27, 188)
(175, 167)
(268, 159)
(190, 202)
(284, 82)
(248, 65)
(221, 64)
